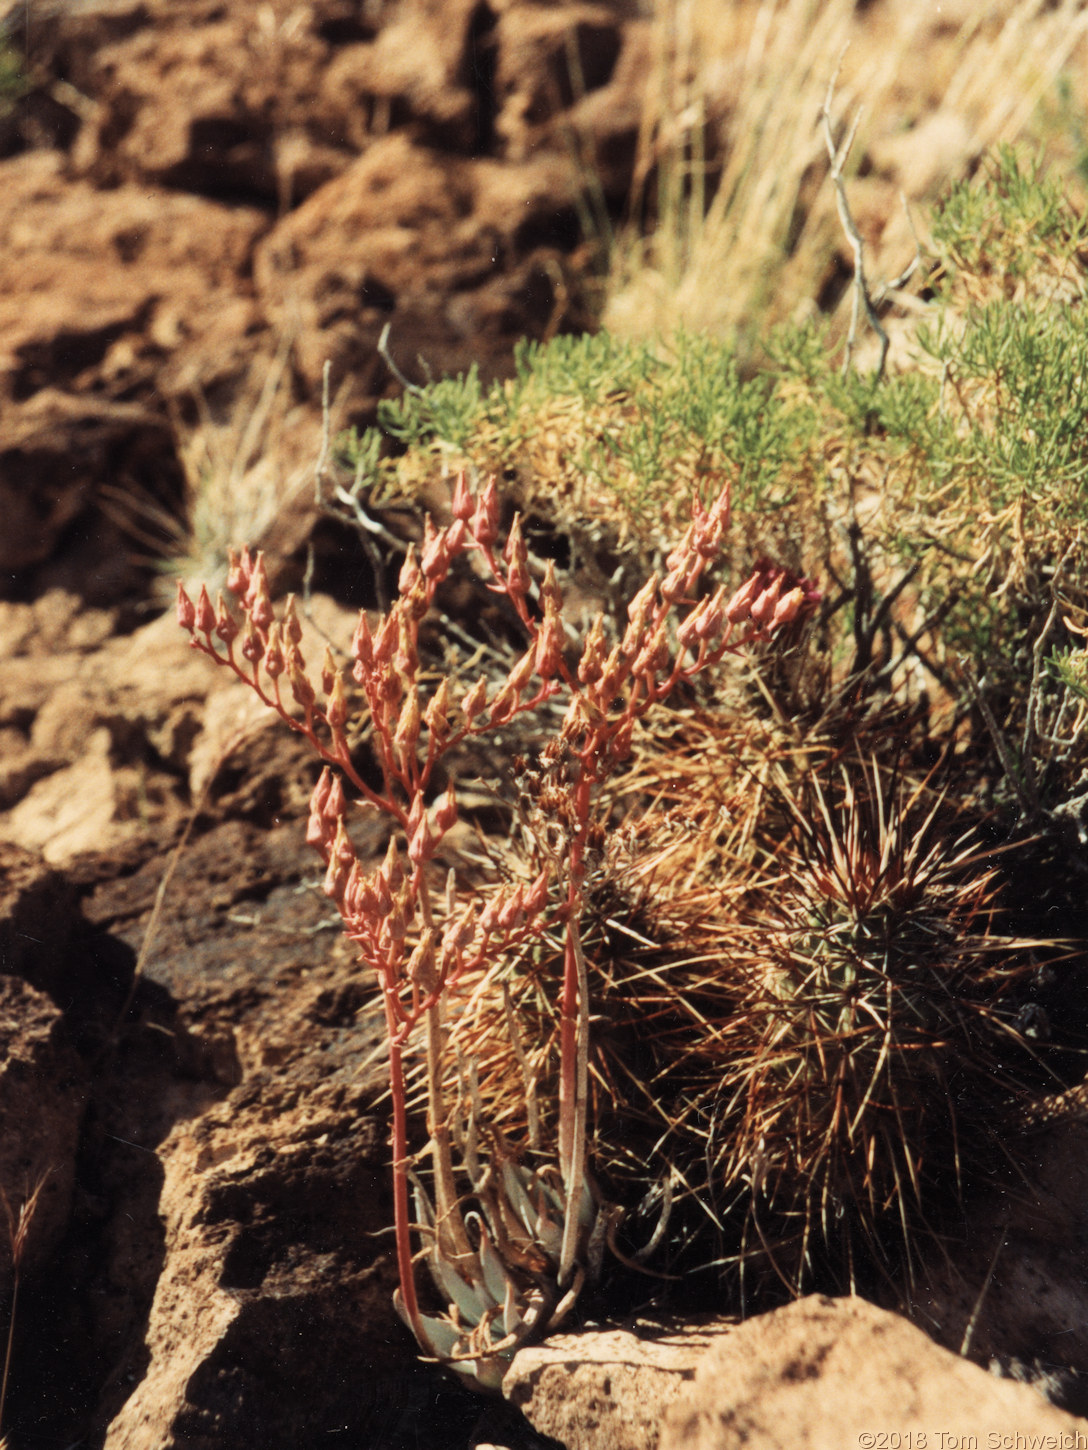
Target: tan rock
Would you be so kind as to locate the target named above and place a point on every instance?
(87, 279)
(37, 918)
(824, 1374)
(820, 1374)
(425, 241)
(238, 1286)
(607, 1390)
(418, 72)
(189, 1317)
(70, 811)
(197, 102)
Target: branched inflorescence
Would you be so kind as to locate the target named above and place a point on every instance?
(516, 1264)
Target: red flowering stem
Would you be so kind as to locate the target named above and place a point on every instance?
(402, 1218)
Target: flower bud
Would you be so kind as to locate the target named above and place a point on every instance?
(516, 556)
(301, 688)
(335, 802)
(489, 916)
(739, 607)
(336, 705)
(237, 577)
(485, 521)
(591, 665)
(390, 687)
(226, 626)
(409, 572)
(503, 706)
(386, 643)
(549, 648)
(341, 860)
(522, 672)
(435, 558)
(436, 716)
(619, 747)
(406, 657)
(608, 686)
(205, 614)
(463, 502)
(328, 671)
(512, 912)
(680, 557)
(712, 617)
(710, 526)
(458, 933)
(762, 611)
(654, 654)
(363, 900)
(186, 611)
(318, 829)
(383, 900)
(446, 814)
(258, 599)
(475, 700)
(550, 596)
(421, 843)
(420, 966)
(274, 661)
(638, 613)
(788, 607)
(686, 630)
(391, 871)
(407, 732)
(362, 643)
(674, 582)
(250, 567)
(292, 629)
(537, 895)
(352, 889)
(252, 643)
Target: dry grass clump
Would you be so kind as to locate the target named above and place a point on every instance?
(732, 230)
(241, 463)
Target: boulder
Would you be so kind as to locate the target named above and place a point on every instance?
(823, 1373)
(820, 1374)
(444, 249)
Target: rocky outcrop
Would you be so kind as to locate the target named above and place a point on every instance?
(820, 1373)
(43, 1092)
(231, 187)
